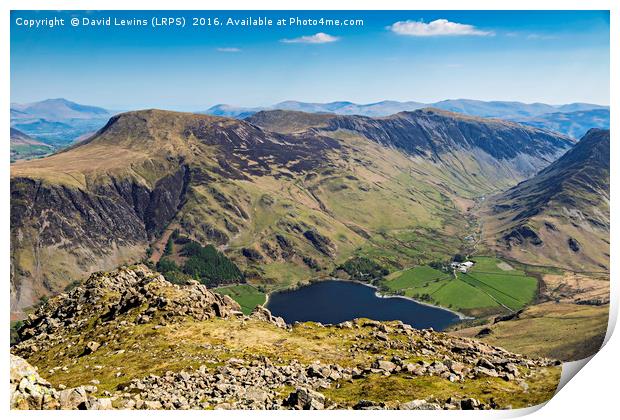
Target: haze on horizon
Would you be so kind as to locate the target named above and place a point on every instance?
(554, 57)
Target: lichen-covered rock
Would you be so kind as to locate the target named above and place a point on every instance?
(28, 390)
(264, 314)
(419, 405)
(91, 347)
(73, 397)
(31, 392)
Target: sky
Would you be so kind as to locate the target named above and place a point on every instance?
(554, 57)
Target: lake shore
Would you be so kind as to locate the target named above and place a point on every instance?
(461, 316)
(378, 294)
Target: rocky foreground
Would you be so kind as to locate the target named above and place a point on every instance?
(131, 340)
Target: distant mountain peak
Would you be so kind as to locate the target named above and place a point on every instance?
(57, 109)
(59, 100)
(536, 114)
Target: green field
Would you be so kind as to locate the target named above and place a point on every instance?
(247, 296)
(28, 151)
(490, 285)
(417, 277)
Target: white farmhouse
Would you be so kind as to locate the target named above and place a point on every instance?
(463, 267)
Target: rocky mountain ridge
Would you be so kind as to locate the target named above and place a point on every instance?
(442, 132)
(107, 344)
(104, 201)
(569, 119)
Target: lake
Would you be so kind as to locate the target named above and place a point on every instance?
(332, 302)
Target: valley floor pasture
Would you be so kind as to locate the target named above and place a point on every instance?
(491, 285)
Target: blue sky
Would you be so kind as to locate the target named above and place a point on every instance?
(539, 56)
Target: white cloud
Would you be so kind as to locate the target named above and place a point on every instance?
(228, 50)
(318, 38)
(439, 27)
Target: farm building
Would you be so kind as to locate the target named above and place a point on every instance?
(463, 267)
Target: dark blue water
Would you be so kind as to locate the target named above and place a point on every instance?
(331, 302)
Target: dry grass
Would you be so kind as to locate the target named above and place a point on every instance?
(572, 287)
(211, 343)
(557, 330)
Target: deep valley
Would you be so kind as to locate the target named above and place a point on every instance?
(496, 232)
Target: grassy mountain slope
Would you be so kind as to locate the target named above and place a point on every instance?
(561, 216)
(569, 321)
(481, 155)
(563, 331)
(285, 206)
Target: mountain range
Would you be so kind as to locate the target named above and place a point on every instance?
(230, 210)
(570, 119)
(287, 195)
(574, 124)
(58, 122)
(57, 110)
(499, 109)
